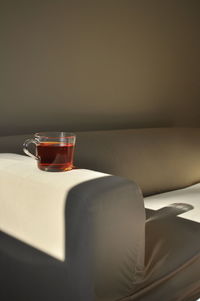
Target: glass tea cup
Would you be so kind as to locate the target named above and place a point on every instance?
(54, 150)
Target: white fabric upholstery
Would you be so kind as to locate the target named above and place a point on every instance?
(180, 198)
(32, 202)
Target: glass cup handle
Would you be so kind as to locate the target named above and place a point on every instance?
(25, 147)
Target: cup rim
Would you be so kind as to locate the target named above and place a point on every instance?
(55, 135)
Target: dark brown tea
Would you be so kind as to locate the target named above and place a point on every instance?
(54, 156)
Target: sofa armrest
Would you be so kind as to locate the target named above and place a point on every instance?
(101, 217)
(105, 238)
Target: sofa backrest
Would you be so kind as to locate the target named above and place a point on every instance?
(159, 159)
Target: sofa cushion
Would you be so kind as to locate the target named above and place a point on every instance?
(172, 263)
(184, 203)
(172, 252)
(173, 245)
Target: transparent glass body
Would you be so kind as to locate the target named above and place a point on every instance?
(54, 150)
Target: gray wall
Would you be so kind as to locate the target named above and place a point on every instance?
(99, 64)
